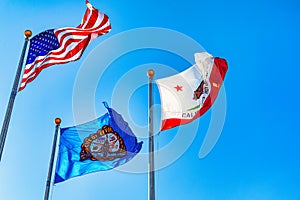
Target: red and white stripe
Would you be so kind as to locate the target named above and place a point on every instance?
(73, 42)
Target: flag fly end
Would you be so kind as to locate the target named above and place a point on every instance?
(88, 4)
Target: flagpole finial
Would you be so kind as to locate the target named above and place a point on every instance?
(27, 33)
(57, 121)
(150, 73)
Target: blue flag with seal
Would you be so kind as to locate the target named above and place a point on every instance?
(98, 145)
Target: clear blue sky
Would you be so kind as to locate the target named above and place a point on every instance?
(257, 155)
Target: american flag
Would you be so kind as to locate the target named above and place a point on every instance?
(63, 45)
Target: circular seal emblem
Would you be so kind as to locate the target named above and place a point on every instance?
(105, 144)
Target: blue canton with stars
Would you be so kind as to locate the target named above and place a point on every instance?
(41, 45)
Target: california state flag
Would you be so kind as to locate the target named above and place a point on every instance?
(189, 94)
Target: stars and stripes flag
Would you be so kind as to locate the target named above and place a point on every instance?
(63, 45)
(189, 94)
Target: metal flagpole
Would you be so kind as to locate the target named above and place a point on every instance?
(50, 171)
(151, 183)
(13, 94)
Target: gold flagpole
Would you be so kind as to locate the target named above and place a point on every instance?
(13, 94)
(151, 184)
(50, 171)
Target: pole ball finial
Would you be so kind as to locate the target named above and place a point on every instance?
(150, 73)
(28, 33)
(57, 121)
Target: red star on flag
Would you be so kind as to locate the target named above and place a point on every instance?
(178, 88)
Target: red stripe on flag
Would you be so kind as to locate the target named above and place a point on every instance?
(216, 77)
